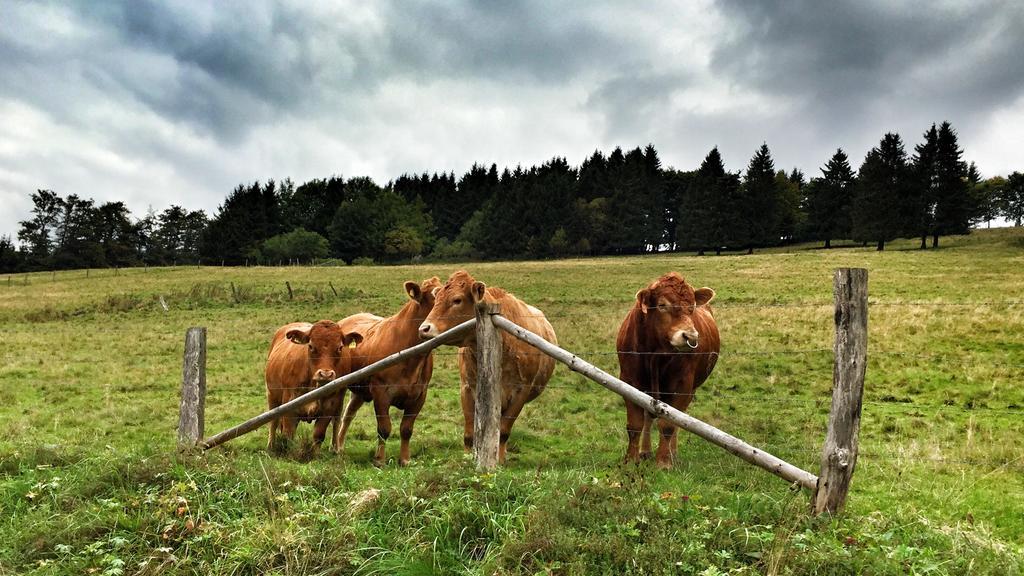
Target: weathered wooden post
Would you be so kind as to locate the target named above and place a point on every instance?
(193, 390)
(487, 418)
(288, 285)
(839, 455)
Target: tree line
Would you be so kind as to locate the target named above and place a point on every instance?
(624, 202)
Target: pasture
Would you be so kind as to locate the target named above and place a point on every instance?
(89, 382)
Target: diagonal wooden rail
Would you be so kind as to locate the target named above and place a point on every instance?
(659, 409)
(336, 385)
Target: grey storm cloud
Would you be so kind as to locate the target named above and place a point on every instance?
(848, 63)
(176, 102)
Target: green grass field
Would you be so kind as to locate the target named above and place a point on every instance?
(90, 482)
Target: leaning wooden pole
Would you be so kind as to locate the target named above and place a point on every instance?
(839, 455)
(487, 416)
(659, 409)
(337, 385)
(193, 390)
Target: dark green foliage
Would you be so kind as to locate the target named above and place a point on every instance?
(299, 244)
(707, 212)
(176, 236)
(621, 203)
(311, 205)
(758, 208)
(10, 258)
(249, 215)
(919, 209)
(882, 188)
(829, 200)
(790, 218)
(953, 202)
(378, 223)
(1011, 200)
(676, 183)
(987, 197)
(38, 234)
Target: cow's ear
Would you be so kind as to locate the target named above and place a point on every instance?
(413, 290)
(299, 335)
(641, 299)
(435, 291)
(478, 290)
(351, 340)
(703, 295)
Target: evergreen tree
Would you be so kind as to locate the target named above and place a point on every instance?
(758, 208)
(10, 258)
(249, 215)
(593, 177)
(919, 210)
(630, 201)
(790, 217)
(881, 191)
(953, 209)
(829, 200)
(707, 208)
(676, 184)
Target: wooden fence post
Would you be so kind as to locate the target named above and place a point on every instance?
(193, 390)
(487, 418)
(289, 287)
(839, 455)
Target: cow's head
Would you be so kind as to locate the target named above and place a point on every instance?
(329, 349)
(667, 306)
(454, 303)
(423, 294)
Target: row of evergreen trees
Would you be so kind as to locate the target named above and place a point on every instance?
(620, 203)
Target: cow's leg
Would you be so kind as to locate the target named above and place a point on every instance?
(320, 431)
(665, 457)
(508, 418)
(634, 425)
(468, 396)
(645, 437)
(336, 421)
(273, 426)
(669, 442)
(288, 424)
(412, 409)
(346, 421)
(381, 407)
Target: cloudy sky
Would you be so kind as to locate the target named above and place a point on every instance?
(177, 102)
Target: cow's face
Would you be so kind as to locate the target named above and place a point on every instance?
(454, 303)
(328, 349)
(668, 306)
(423, 293)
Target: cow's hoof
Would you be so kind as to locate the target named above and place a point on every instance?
(404, 463)
(664, 464)
(379, 463)
(646, 455)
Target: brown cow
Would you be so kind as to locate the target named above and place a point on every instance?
(403, 385)
(667, 347)
(524, 371)
(302, 357)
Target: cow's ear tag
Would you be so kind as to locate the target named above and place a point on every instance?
(352, 344)
(412, 294)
